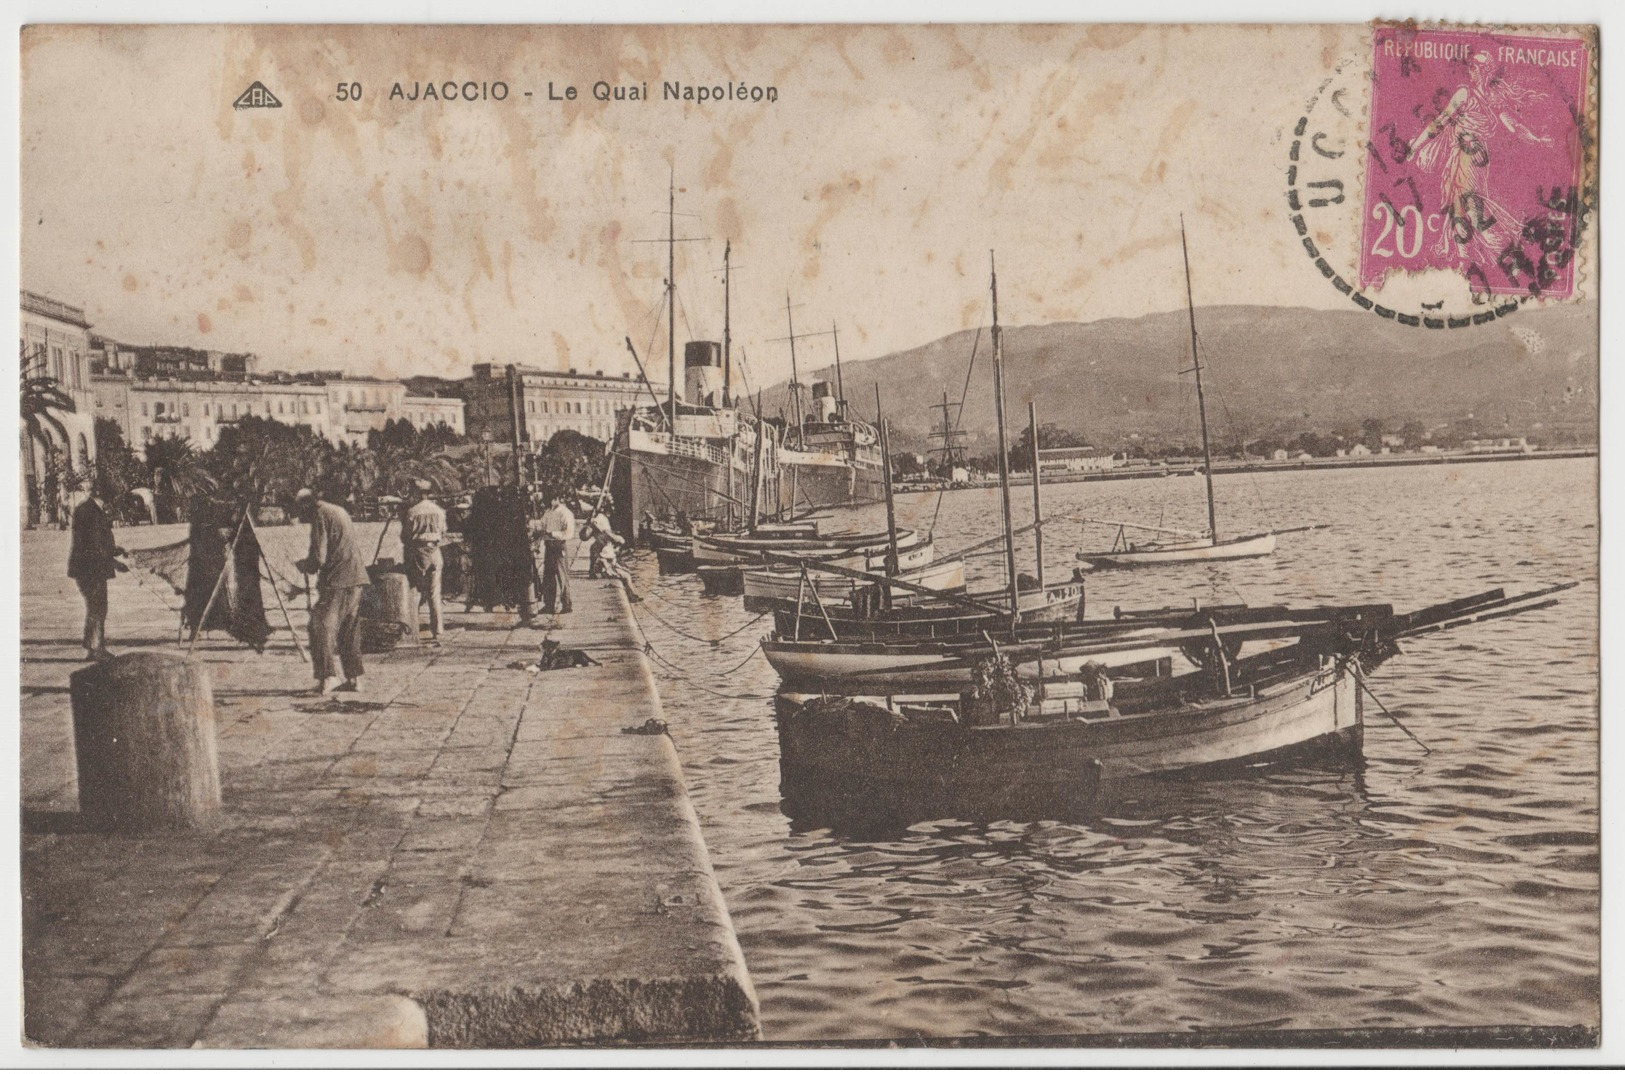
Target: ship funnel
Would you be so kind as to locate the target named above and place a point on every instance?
(702, 368)
(824, 405)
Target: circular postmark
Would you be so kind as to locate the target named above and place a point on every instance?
(1442, 180)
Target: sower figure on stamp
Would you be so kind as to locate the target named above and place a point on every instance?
(423, 528)
(558, 526)
(341, 574)
(91, 562)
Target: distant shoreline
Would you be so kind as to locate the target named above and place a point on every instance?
(1268, 466)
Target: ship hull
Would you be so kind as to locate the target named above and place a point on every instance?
(831, 484)
(704, 479)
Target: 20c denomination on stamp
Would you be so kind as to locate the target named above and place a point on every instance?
(1444, 178)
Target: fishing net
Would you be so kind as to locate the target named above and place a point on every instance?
(167, 561)
(215, 598)
(994, 693)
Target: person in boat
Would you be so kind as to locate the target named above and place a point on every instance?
(558, 526)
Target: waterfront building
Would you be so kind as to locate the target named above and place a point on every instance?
(427, 411)
(1076, 459)
(149, 408)
(54, 342)
(547, 402)
(197, 407)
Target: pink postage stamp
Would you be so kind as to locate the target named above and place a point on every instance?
(1476, 158)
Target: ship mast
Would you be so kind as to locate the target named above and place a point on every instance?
(795, 379)
(949, 434)
(893, 561)
(671, 300)
(727, 335)
(840, 389)
(1004, 461)
(1201, 402)
(1038, 501)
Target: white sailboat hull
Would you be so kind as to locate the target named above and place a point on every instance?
(1200, 551)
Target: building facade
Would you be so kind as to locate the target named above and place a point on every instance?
(54, 343)
(342, 409)
(427, 411)
(151, 408)
(547, 402)
(1076, 459)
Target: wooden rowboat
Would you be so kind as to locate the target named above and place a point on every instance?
(924, 754)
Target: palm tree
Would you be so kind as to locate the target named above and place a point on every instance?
(42, 401)
(177, 475)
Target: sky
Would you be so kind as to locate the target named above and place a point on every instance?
(392, 237)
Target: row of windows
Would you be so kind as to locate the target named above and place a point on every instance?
(366, 397)
(542, 431)
(593, 406)
(63, 366)
(218, 411)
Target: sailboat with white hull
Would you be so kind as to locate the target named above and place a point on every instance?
(1184, 548)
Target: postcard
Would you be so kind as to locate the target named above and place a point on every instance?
(797, 535)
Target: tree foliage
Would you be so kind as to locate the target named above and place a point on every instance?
(569, 461)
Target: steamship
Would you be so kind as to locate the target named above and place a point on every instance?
(698, 457)
(831, 459)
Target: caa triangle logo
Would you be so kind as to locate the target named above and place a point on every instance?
(257, 96)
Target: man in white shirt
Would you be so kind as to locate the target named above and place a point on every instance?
(423, 528)
(558, 526)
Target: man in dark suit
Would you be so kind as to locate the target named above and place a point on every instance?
(91, 562)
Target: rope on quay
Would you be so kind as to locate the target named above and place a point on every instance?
(695, 637)
(677, 672)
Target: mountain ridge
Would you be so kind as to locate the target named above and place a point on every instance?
(1267, 370)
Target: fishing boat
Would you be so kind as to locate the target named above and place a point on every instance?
(765, 588)
(1057, 741)
(755, 547)
(1168, 547)
(727, 577)
(673, 545)
(915, 615)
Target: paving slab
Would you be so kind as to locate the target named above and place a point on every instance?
(467, 854)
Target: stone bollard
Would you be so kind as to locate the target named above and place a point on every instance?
(391, 599)
(143, 734)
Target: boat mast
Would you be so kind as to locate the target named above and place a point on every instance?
(840, 389)
(756, 476)
(1004, 461)
(1201, 402)
(727, 334)
(671, 301)
(1038, 505)
(795, 379)
(727, 383)
(893, 562)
